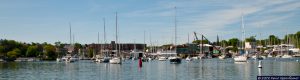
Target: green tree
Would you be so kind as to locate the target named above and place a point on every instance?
(12, 55)
(32, 51)
(251, 39)
(297, 35)
(224, 43)
(49, 52)
(233, 42)
(199, 41)
(2, 53)
(273, 40)
(90, 53)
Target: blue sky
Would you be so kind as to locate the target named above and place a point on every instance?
(47, 20)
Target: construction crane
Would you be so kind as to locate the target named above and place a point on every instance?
(204, 38)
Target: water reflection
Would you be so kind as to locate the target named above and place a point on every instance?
(206, 69)
(259, 71)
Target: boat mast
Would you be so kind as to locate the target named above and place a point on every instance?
(98, 38)
(188, 38)
(243, 31)
(144, 41)
(73, 39)
(117, 34)
(104, 33)
(104, 36)
(70, 33)
(175, 21)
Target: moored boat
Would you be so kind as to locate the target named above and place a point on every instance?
(162, 58)
(115, 60)
(175, 60)
(240, 59)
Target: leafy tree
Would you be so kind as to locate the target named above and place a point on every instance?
(90, 53)
(32, 51)
(273, 40)
(251, 39)
(49, 52)
(77, 45)
(224, 43)
(13, 54)
(2, 53)
(233, 42)
(199, 41)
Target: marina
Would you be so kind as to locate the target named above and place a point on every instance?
(149, 40)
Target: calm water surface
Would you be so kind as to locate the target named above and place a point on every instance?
(206, 69)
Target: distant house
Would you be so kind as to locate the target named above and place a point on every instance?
(250, 47)
(70, 48)
(124, 47)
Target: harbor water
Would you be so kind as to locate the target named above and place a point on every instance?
(205, 69)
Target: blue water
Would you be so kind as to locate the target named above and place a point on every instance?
(206, 69)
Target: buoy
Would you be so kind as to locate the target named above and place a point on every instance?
(259, 64)
(140, 62)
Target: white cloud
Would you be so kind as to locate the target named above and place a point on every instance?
(286, 7)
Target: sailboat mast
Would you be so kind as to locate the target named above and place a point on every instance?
(104, 33)
(188, 38)
(117, 32)
(243, 31)
(70, 27)
(144, 40)
(175, 21)
(98, 38)
(73, 39)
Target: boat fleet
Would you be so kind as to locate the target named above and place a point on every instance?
(245, 52)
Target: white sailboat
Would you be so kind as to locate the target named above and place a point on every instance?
(175, 59)
(116, 59)
(69, 58)
(242, 58)
(287, 49)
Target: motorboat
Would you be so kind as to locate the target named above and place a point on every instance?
(240, 59)
(162, 58)
(286, 56)
(115, 60)
(175, 60)
(222, 57)
(58, 59)
(69, 58)
(195, 58)
(188, 59)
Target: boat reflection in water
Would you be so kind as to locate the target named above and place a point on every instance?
(205, 69)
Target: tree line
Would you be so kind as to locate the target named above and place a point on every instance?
(11, 49)
(293, 39)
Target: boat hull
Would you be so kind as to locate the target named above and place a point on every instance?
(240, 59)
(175, 61)
(115, 61)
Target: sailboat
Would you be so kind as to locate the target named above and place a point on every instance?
(69, 58)
(242, 58)
(175, 59)
(105, 58)
(116, 59)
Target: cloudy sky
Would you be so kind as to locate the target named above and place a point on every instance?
(48, 20)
